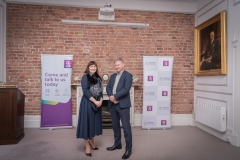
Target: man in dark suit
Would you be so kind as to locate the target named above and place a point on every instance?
(118, 89)
(213, 51)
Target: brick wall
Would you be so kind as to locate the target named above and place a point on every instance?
(35, 30)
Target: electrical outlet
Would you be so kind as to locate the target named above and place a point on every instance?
(228, 139)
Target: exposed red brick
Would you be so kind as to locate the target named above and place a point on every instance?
(35, 30)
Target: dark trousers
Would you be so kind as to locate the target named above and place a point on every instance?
(118, 114)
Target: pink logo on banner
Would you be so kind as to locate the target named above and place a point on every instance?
(67, 63)
(165, 63)
(164, 93)
(150, 78)
(149, 108)
(163, 122)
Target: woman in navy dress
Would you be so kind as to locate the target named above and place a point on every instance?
(89, 120)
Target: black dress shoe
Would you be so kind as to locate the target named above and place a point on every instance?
(114, 147)
(127, 154)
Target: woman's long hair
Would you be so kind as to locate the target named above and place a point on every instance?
(87, 71)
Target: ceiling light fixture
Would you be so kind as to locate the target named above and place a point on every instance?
(141, 25)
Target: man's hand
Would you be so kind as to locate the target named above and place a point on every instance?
(112, 99)
(115, 102)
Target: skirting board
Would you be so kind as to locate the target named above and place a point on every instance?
(228, 136)
(177, 120)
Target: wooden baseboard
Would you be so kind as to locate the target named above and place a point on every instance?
(176, 119)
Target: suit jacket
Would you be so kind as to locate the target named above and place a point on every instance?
(122, 91)
(213, 49)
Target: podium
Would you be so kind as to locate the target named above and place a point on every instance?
(12, 102)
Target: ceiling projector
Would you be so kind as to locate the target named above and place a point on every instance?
(107, 10)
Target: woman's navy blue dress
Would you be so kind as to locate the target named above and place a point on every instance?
(89, 122)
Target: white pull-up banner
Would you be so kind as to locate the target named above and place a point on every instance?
(56, 111)
(157, 82)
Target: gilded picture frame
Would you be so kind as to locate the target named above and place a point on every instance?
(210, 47)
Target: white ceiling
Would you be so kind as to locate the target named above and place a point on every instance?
(176, 6)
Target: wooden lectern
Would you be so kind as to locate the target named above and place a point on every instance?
(12, 102)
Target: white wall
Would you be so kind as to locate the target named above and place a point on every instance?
(2, 41)
(234, 50)
(220, 89)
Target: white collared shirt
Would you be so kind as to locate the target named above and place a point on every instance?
(116, 82)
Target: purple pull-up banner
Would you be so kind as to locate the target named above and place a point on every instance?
(56, 111)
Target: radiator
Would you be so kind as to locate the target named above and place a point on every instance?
(212, 116)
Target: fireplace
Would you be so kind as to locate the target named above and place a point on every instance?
(106, 116)
(107, 123)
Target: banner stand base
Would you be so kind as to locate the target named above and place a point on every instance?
(167, 128)
(51, 128)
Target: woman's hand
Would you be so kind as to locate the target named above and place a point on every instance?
(100, 103)
(96, 103)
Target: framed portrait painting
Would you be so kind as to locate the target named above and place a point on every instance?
(210, 46)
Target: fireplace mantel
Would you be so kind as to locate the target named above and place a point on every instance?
(105, 97)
